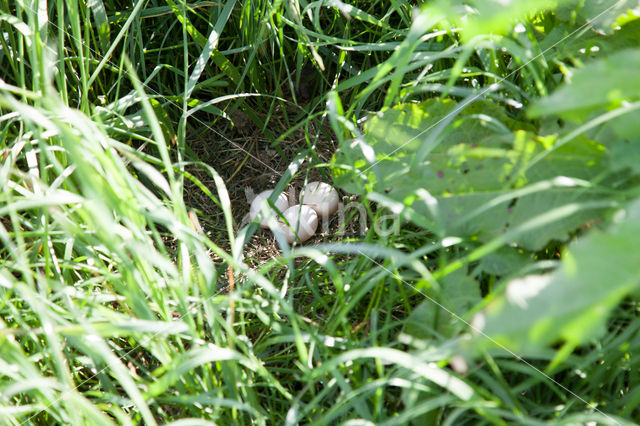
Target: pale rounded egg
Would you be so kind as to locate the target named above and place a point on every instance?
(281, 203)
(321, 197)
(303, 219)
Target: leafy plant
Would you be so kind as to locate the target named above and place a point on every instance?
(570, 304)
(491, 134)
(488, 176)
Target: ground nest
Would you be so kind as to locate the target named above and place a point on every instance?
(249, 162)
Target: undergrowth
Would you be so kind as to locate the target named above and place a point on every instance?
(485, 268)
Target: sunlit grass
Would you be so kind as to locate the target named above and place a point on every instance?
(116, 306)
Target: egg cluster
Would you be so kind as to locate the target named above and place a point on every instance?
(316, 199)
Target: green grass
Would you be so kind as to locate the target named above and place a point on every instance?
(123, 122)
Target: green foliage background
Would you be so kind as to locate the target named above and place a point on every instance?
(500, 138)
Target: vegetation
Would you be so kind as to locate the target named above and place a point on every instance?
(491, 149)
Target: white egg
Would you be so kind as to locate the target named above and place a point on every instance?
(301, 218)
(281, 203)
(321, 197)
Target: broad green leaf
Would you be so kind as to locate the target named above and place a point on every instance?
(628, 36)
(439, 313)
(625, 126)
(398, 134)
(603, 15)
(572, 303)
(603, 83)
(490, 16)
(504, 261)
(472, 168)
(562, 42)
(626, 154)
(563, 207)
